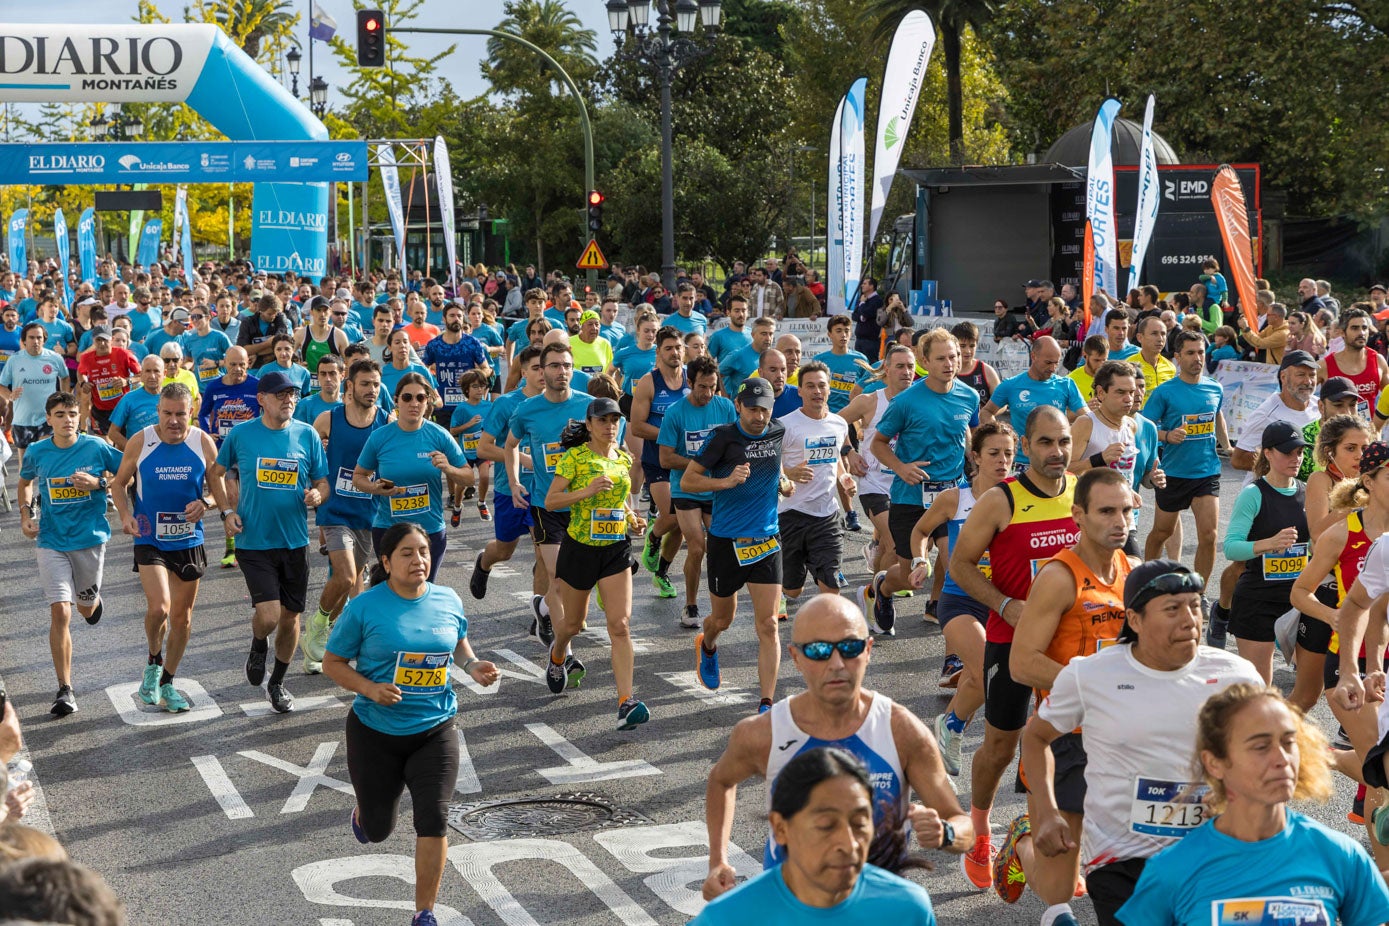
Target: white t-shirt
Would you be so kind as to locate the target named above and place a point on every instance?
(817, 442)
(1140, 736)
(1374, 574)
(1270, 410)
(1102, 435)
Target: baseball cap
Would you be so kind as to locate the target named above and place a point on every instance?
(276, 382)
(1283, 437)
(1375, 455)
(1038, 284)
(1150, 579)
(757, 392)
(101, 331)
(179, 315)
(343, 293)
(315, 302)
(1297, 358)
(1337, 387)
(602, 407)
(1379, 286)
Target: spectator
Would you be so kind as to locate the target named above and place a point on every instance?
(1307, 294)
(1324, 291)
(1071, 295)
(1207, 308)
(46, 891)
(1216, 287)
(1007, 322)
(1272, 341)
(894, 317)
(19, 842)
(1224, 347)
(1059, 324)
(868, 329)
(1039, 293)
(1303, 334)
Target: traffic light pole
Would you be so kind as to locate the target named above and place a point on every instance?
(568, 82)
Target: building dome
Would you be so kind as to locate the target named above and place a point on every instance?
(1073, 148)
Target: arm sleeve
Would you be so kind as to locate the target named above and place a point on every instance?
(1238, 546)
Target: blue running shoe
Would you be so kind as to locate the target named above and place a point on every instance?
(706, 665)
(357, 830)
(630, 713)
(424, 918)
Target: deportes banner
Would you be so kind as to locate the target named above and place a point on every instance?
(86, 244)
(16, 228)
(149, 242)
(1099, 200)
(1232, 215)
(834, 214)
(390, 182)
(444, 176)
(60, 236)
(1149, 198)
(902, 80)
(853, 174)
(186, 241)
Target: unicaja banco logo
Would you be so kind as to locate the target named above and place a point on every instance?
(890, 136)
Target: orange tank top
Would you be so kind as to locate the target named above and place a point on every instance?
(1097, 616)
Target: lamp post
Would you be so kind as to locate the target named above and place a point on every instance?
(292, 58)
(664, 48)
(318, 96)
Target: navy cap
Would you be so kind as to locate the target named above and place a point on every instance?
(1283, 437)
(276, 382)
(757, 392)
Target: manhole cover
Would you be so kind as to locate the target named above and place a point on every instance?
(540, 816)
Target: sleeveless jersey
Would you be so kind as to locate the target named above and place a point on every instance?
(1102, 435)
(314, 351)
(662, 398)
(878, 481)
(1269, 576)
(167, 478)
(1366, 381)
(976, 380)
(962, 509)
(1039, 528)
(345, 505)
(872, 743)
(1097, 616)
(1348, 565)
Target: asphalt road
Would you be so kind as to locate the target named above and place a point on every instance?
(232, 814)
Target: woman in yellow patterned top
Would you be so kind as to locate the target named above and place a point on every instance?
(592, 480)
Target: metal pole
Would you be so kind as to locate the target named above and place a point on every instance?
(366, 228)
(667, 184)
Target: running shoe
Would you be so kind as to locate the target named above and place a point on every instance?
(171, 700)
(651, 551)
(663, 587)
(929, 612)
(1064, 919)
(1357, 808)
(950, 671)
(764, 706)
(229, 561)
(950, 742)
(456, 517)
(630, 713)
(978, 863)
(65, 703)
(280, 698)
(1379, 825)
(1217, 622)
(554, 675)
(312, 667)
(477, 582)
(469, 493)
(424, 918)
(851, 522)
(542, 628)
(863, 597)
(482, 511)
(149, 684)
(706, 664)
(840, 580)
(316, 637)
(574, 671)
(884, 616)
(781, 608)
(96, 612)
(1341, 740)
(691, 619)
(357, 830)
(870, 555)
(255, 666)
(1009, 878)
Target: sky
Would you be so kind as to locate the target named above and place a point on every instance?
(460, 68)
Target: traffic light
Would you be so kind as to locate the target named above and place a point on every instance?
(595, 210)
(371, 39)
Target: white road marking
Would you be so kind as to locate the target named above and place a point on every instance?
(223, 791)
(529, 672)
(689, 683)
(581, 768)
(139, 714)
(671, 877)
(467, 782)
(318, 882)
(310, 776)
(263, 708)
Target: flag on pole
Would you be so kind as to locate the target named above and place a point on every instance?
(1087, 280)
(321, 26)
(443, 175)
(18, 232)
(60, 238)
(1232, 215)
(854, 176)
(834, 233)
(86, 244)
(902, 81)
(390, 182)
(1099, 200)
(1148, 198)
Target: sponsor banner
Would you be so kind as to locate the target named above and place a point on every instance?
(1148, 198)
(289, 228)
(1232, 215)
(834, 233)
(86, 244)
(444, 177)
(902, 81)
(183, 162)
(853, 176)
(134, 63)
(390, 182)
(1099, 200)
(16, 229)
(1247, 385)
(60, 237)
(185, 235)
(149, 242)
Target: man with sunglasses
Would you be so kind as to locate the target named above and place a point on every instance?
(1138, 794)
(830, 648)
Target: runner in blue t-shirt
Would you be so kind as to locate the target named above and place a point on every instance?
(731, 337)
(328, 395)
(636, 360)
(1190, 425)
(205, 346)
(398, 363)
(685, 319)
(450, 355)
(466, 427)
(28, 379)
(65, 477)
(741, 465)
(284, 363)
(284, 472)
(846, 366)
(740, 364)
(138, 408)
(1037, 385)
(403, 635)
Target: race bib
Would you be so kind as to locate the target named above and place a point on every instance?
(1168, 808)
(275, 473)
(592, 370)
(608, 524)
(453, 395)
(553, 451)
(208, 375)
(415, 500)
(1286, 566)
(422, 673)
(695, 441)
(61, 491)
(110, 390)
(343, 484)
(986, 567)
(843, 383)
(169, 525)
(1269, 911)
(752, 549)
(820, 451)
(470, 442)
(929, 491)
(1200, 426)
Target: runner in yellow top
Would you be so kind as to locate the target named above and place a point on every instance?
(592, 480)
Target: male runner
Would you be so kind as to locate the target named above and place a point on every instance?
(205, 346)
(738, 365)
(1356, 362)
(285, 473)
(318, 339)
(685, 430)
(227, 402)
(27, 380)
(1036, 386)
(70, 469)
(652, 397)
(103, 374)
(165, 464)
(846, 366)
(1152, 338)
(741, 465)
(329, 376)
(138, 408)
(731, 337)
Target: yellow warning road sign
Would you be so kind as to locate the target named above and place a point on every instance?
(592, 258)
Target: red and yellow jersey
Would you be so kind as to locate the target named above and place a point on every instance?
(1097, 616)
(1039, 528)
(1348, 565)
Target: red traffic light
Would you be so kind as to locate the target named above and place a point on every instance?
(371, 25)
(595, 198)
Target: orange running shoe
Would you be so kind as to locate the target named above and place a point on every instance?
(978, 863)
(1009, 879)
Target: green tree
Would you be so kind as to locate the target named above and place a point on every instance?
(515, 71)
(256, 26)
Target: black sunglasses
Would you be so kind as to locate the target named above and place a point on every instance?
(414, 397)
(821, 650)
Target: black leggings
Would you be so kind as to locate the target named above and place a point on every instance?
(382, 766)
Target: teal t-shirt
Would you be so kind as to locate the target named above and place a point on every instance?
(40, 376)
(633, 363)
(878, 897)
(686, 428)
(277, 468)
(931, 428)
(498, 425)
(408, 643)
(137, 409)
(727, 340)
(1021, 394)
(537, 423)
(297, 374)
(845, 371)
(70, 518)
(1193, 406)
(464, 412)
(310, 407)
(403, 457)
(391, 377)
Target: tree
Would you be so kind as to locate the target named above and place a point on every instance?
(516, 71)
(256, 26)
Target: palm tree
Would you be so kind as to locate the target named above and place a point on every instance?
(250, 22)
(549, 24)
(950, 17)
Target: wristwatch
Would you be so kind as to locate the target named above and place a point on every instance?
(102, 483)
(918, 561)
(947, 835)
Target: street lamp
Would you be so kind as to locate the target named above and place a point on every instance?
(318, 96)
(99, 126)
(292, 59)
(665, 49)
